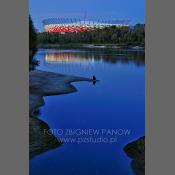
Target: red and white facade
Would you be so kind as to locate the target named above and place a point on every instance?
(60, 25)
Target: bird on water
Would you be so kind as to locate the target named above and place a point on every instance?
(94, 78)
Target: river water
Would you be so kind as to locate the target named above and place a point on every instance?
(98, 120)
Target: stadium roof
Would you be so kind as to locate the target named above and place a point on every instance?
(85, 21)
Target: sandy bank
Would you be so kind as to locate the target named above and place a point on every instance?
(44, 84)
(47, 83)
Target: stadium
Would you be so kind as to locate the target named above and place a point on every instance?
(68, 25)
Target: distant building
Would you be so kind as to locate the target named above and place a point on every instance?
(65, 25)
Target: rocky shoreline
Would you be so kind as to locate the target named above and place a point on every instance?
(44, 84)
(136, 151)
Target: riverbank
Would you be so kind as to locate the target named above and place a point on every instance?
(44, 84)
(136, 151)
(109, 46)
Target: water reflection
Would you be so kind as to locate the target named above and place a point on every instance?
(88, 57)
(33, 63)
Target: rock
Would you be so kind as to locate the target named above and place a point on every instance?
(136, 151)
(39, 139)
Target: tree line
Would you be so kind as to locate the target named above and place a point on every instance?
(32, 44)
(109, 35)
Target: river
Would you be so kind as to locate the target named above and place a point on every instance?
(113, 108)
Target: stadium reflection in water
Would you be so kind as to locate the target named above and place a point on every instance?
(77, 57)
(67, 61)
(69, 57)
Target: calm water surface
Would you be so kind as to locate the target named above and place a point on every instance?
(115, 102)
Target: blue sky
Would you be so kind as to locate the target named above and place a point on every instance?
(101, 9)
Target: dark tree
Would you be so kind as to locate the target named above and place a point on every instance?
(32, 35)
(32, 44)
